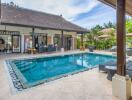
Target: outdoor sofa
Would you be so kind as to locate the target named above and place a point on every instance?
(49, 48)
(42, 49)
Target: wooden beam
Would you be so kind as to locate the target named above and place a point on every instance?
(0, 9)
(33, 39)
(82, 40)
(121, 48)
(62, 39)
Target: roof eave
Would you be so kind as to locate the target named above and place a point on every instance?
(112, 5)
(46, 28)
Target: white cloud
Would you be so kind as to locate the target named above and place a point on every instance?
(68, 8)
(99, 17)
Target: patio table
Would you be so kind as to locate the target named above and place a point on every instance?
(31, 50)
(111, 70)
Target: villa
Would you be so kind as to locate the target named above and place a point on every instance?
(71, 75)
(22, 28)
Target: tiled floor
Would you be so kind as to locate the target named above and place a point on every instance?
(88, 85)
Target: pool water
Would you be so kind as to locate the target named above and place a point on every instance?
(38, 70)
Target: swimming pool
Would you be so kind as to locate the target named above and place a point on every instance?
(35, 71)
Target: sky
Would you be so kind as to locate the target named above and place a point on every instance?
(85, 13)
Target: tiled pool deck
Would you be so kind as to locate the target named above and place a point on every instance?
(88, 85)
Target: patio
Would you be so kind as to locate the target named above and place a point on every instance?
(88, 85)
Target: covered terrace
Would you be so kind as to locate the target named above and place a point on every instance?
(122, 7)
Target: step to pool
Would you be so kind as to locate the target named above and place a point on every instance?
(27, 67)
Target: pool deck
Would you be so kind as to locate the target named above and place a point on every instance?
(88, 85)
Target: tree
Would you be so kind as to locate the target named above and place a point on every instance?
(92, 36)
(109, 25)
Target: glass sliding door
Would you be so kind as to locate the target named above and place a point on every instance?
(57, 41)
(5, 44)
(27, 42)
(42, 39)
(16, 47)
(67, 42)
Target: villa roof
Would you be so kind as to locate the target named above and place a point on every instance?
(12, 15)
(112, 3)
(107, 30)
(129, 34)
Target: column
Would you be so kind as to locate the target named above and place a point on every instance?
(22, 43)
(121, 85)
(73, 43)
(121, 48)
(52, 39)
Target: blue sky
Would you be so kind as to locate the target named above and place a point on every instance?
(86, 13)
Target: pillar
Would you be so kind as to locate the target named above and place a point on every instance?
(22, 43)
(121, 48)
(121, 85)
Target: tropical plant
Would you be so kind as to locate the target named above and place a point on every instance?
(92, 38)
(78, 43)
(129, 25)
(129, 30)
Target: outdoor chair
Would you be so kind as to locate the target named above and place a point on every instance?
(113, 49)
(2, 47)
(91, 48)
(129, 51)
(102, 67)
(109, 63)
(129, 68)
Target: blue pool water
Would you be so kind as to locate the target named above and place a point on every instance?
(38, 70)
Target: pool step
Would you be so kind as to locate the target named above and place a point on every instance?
(20, 63)
(27, 67)
(23, 64)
